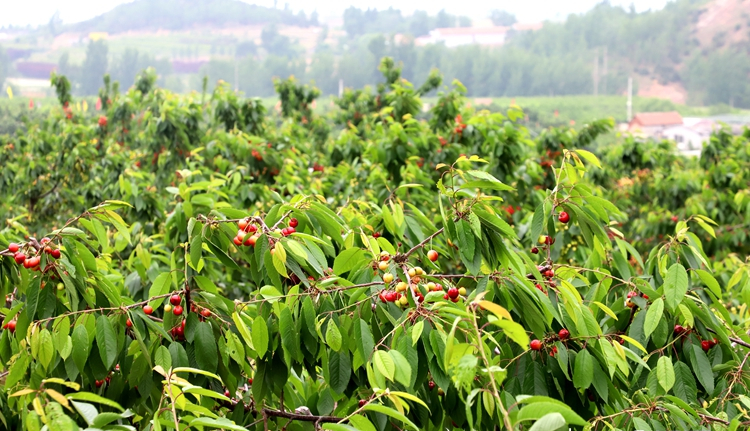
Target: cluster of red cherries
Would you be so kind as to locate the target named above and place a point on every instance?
(562, 335)
(32, 261)
(706, 345)
(100, 383)
(247, 228)
(397, 295)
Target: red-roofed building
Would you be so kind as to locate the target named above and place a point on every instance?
(652, 124)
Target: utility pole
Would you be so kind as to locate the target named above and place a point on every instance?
(596, 73)
(630, 98)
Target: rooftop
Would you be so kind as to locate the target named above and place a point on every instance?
(657, 118)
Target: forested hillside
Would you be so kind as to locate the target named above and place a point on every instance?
(184, 14)
(695, 49)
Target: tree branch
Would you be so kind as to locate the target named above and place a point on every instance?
(303, 418)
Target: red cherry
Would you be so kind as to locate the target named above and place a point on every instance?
(175, 299)
(534, 250)
(563, 217)
(431, 385)
(536, 345)
(226, 393)
(713, 342)
(129, 323)
(453, 293)
(631, 294)
(19, 258)
(678, 329)
(243, 224)
(705, 345)
(362, 403)
(56, 253)
(205, 312)
(251, 228)
(446, 296)
(99, 383)
(13, 247)
(45, 241)
(390, 296)
(250, 241)
(293, 222)
(674, 219)
(12, 326)
(177, 310)
(179, 331)
(432, 255)
(563, 334)
(290, 230)
(376, 235)
(553, 351)
(382, 296)
(549, 240)
(250, 381)
(549, 273)
(237, 240)
(148, 309)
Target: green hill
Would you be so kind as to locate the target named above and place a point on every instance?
(186, 14)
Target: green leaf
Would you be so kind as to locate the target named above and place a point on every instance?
(653, 317)
(537, 223)
(675, 286)
(160, 286)
(589, 157)
(384, 363)
(665, 373)
(94, 398)
(260, 336)
(106, 339)
(338, 427)
(514, 331)
(361, 423)
(220, 423)
(206, 355)
(289, 335)
(709, 281)
(242, 329)
(196, 250)
(81, 346)
(363, 337)
(550, 421)
(46, 348)
(583, 373)
(339, 371)
(403, 369)
(378, 408)
(702, 368)
(333, 336)
(684, 383)
(348, 260)
(163, 358)
(539, 409)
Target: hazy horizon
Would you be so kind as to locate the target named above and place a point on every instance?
(38, 12)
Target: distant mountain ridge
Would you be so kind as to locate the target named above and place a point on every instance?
(185, 14)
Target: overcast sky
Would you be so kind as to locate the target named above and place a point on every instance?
(34, 12)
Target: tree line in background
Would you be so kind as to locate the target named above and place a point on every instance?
(559, 59)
